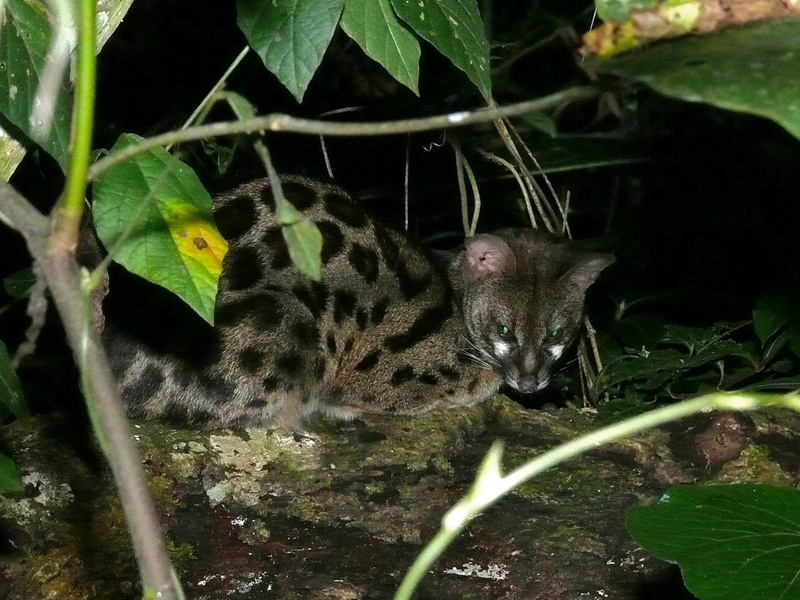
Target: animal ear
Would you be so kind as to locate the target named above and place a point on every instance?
(488, 255)
(588, 269)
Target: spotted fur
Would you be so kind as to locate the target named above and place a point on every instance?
(389, 328)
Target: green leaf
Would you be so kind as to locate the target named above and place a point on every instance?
(155, 217)
(290, 36)
(695, 339)
(11, 394)
(302, 236)
(241, 106)
(660, 366)
(776, 310)
(384, 39)
(793, 333)
(753, 69)
(542, 122)
(19, 284)
(455, 29)
(773, 311)
(10, 480)
(305, 246)
(732, 542)
(24, 44)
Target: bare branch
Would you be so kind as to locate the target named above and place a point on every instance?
(286, 123)
(56, 263)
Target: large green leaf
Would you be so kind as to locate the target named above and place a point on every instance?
(455, 29)
(11, 394)
(290, 36)
(732, 542)
(753, 69)
(154, 215)
(10, 481)
(24, 44)
(374, 26)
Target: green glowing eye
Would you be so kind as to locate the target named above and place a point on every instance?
(553, 333)
(503, 330)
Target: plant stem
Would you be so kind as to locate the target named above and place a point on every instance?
(67, 214)
(285, 123)
(62, 274)
(479, 497)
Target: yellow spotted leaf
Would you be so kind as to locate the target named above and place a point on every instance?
(154, 217)
(195, 238)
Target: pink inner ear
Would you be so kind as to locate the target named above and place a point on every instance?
(588, 270)
(488, 255)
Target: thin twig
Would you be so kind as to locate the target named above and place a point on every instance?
(285, 123)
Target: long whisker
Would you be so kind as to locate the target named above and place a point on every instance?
(479, 355)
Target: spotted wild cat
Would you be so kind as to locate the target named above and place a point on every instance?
(390, 328)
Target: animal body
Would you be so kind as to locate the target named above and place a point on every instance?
(391, 327)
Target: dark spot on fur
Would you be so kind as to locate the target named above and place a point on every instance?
(344, 304)
(267, 198)
(426, 324)
(124, 351)
(216, 387)
(402, 375)
(472, 385)
(290, 364)
(389, 249)
(348, 346)
(369, 361)
(236, 217)
(300, 195)
(314, 297)
(411, 286)
(448, 373)
(184, 377)
(332, 240)
(365, 262)
(305, 334)
(251, 359)
(177, 412)
(266, 310)
(428, 379)
(379, 311)
(319, 367)
(147, 384)
(330, 340)
(199, 346)
(346, 211)
(242, 268)
(270, 383)
(367, 400)
(276, 248)
(361, 318)
(334, 396)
